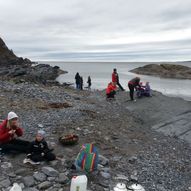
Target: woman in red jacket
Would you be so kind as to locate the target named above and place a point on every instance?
(9, 130)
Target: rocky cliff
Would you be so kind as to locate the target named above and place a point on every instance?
(21, 70)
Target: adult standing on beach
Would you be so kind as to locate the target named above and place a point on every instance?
(132, 84)
(81, 82)
(89, 82)
(115, 78)
(9, 130)
(77, 78)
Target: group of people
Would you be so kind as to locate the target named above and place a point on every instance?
(36, 151)
(133, 84)
(79, 81)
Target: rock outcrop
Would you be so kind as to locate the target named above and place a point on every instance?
(165, 71)
(21, 70)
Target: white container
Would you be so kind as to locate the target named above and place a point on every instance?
(15, 187)
(79, 183)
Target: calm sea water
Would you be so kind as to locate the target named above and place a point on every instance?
(100, 73)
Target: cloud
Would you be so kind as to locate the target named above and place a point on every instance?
(97, 29)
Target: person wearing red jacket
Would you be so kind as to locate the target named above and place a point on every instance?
(111, 90)
(9, 130)
(115, 78)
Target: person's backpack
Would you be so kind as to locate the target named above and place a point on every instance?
(87, 158)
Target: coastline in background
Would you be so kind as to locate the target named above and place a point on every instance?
(100, 73)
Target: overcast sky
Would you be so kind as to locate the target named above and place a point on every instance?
(91, 30)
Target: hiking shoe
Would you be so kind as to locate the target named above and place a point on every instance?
(30, 161)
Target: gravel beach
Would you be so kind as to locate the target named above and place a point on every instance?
(130, 137)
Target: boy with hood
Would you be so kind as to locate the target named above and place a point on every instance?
(9, 130)
(39, 150)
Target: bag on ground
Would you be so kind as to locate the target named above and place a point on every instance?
(87, 158)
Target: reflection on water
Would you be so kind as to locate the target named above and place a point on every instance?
(101, 76)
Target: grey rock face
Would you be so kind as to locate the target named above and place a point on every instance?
(44, 185)
(49, 171)
(39, 176)
(29, 181)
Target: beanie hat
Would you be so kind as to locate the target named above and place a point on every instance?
(41, 132)
(12, 115)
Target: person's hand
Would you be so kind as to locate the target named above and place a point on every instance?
(11, 132)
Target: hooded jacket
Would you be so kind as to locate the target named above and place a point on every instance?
(110, 88)
(5, 137)
(39, 147)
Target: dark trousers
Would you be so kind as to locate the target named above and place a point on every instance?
(15, 145)
(111, 94)
(120, 86)
(38, 157)
(131, 91)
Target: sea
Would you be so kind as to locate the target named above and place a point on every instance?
(100, 73)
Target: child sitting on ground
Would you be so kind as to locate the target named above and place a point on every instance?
(148, 90)
(39, 151)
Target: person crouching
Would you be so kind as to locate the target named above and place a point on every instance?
(111, 90)
(39, 150)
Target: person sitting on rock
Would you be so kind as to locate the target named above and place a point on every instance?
(147, 90)
(111, 90)
(140, 90)
(39, 150)
(9, 130)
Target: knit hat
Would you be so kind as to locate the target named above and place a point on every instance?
(41, 132)
(12, 115)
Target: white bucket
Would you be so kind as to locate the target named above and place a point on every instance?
(79, 183)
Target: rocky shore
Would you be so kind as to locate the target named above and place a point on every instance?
(23, 70)
(122, 131)
(165, 71)
(135, 139)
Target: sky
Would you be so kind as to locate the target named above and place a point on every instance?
(97, 30)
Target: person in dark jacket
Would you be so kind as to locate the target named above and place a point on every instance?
(132, 84)
(9, 131)
(89, 82)
(77, 78)
(39, 150)
(115, 78)
(81, 83)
